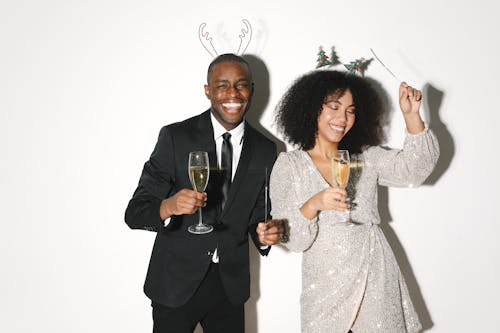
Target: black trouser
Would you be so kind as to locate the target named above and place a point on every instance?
(209, 306)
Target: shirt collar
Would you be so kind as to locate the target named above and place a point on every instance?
(236, 133)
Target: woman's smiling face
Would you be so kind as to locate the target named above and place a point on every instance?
(336, 117)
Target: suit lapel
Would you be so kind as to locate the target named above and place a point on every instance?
(204, 138)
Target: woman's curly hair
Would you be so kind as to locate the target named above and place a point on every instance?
(298, 110)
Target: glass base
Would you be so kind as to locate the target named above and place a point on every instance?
(200, 229)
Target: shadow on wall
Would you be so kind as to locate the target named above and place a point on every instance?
(432, 104)
(432, 101)
(260, 99)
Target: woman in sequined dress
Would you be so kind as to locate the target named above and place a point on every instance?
(350, 277)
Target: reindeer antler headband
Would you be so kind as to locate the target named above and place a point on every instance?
(245, 37)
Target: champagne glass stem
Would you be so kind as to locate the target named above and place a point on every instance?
(200, 220)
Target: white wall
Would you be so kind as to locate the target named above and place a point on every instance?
(86, 85)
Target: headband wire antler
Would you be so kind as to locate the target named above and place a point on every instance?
(245, 37)
(206, 40)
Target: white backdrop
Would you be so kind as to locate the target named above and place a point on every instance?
(86, 85)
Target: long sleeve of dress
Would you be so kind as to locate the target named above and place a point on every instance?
(286, 200)
(409, 166)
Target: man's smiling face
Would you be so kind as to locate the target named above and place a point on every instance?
(229, 90)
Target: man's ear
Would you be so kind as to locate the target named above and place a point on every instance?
(207, 91)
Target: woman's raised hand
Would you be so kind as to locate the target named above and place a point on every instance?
(409, 101)
(409, 98)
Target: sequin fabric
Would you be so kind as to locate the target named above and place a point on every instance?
(350, 277)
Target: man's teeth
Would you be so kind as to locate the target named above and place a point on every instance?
(232, 105)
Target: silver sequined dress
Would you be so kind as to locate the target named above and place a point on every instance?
(350, 278)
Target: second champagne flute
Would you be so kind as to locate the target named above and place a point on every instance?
(340, 168)
(199, 172)
(340, 171)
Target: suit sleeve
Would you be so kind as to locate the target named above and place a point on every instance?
(155, 184)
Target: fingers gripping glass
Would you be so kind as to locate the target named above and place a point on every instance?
(199, 172)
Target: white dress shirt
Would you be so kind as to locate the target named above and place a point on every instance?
(236, 142)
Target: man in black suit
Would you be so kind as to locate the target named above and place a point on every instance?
(205, 278)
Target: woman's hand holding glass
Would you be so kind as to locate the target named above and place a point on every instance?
(331, 198)
(334, 197)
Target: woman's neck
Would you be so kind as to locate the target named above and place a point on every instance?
(323, 149)
(320, 155)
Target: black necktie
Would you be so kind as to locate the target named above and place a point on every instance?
(226, 163)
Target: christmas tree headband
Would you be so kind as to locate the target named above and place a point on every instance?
(357, 66)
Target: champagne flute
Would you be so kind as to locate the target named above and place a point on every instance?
(340, 170)
(199, 172)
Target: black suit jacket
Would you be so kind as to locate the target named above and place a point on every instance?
(179, 259)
